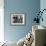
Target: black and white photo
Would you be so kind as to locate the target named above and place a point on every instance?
(17, 19)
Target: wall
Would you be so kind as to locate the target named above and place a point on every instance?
(43, 6)
(29, 8)
(1, 21)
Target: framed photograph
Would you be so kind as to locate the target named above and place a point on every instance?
(17, 19)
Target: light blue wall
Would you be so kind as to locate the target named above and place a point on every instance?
(43, 6)
(28, 7)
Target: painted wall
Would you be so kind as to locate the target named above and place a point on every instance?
(43, 6)
(1, 21)
(29, 8)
